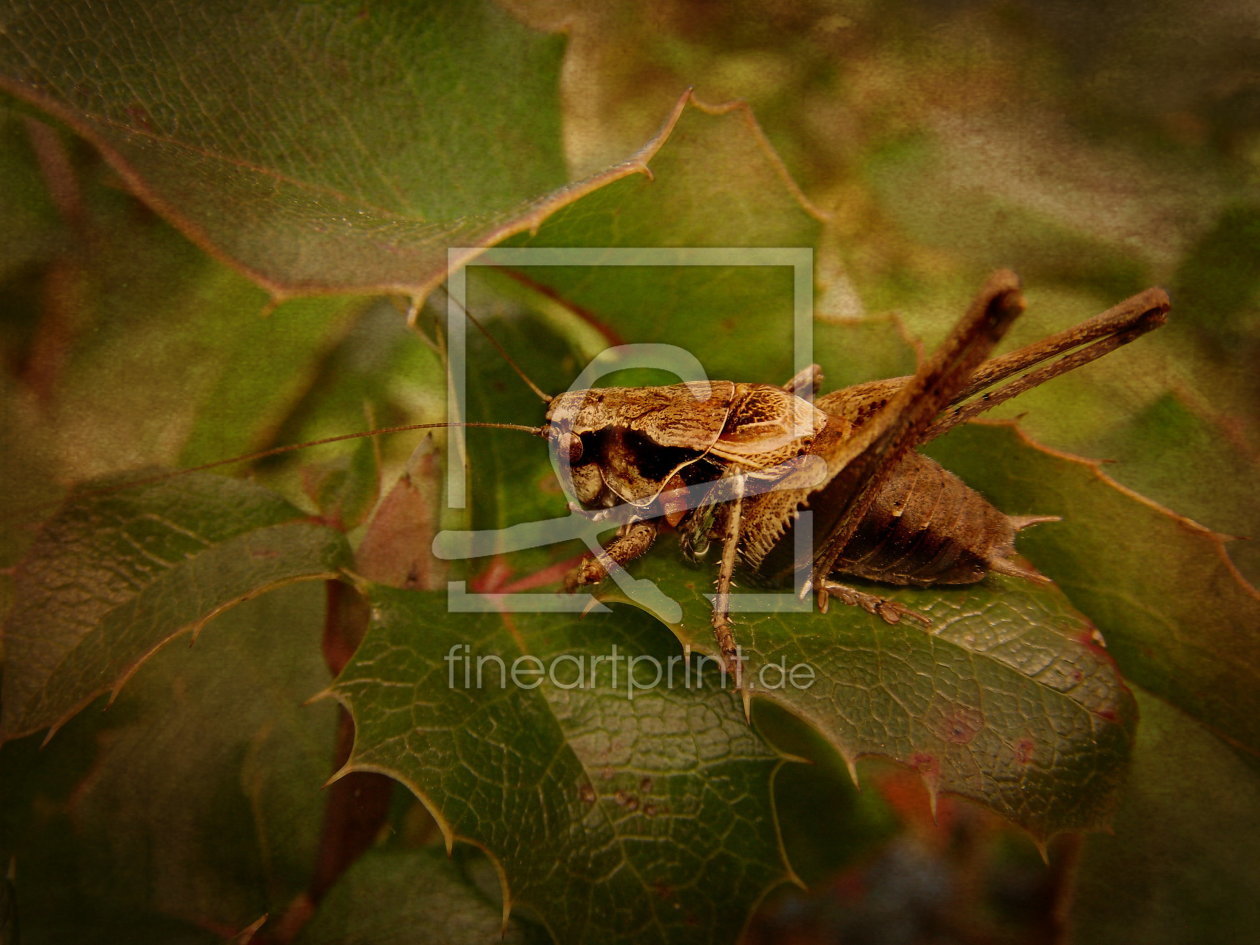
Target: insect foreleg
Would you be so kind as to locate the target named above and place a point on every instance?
(632, 541)
(805, 382)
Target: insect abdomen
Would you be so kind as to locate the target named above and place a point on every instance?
(928, 527)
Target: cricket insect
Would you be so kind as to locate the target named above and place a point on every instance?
(881, 511)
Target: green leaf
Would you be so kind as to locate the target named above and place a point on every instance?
(1177, 617)
(1194, 464)
(251, 127)
(827, 822)
(30, 231)
(334, 146)
(615, 813)
(138, 317)
(117, 574)
(716, 183)
(1178, 867)
(1218, 277)
(346, 490)
(406, 897)
(1007, 700)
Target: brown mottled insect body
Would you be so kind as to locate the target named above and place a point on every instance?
(927, 527)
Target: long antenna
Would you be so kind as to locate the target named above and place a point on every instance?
(498, 347)
(293, 447)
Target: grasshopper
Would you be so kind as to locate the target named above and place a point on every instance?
(714, 462)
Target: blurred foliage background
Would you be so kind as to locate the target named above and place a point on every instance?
(1095, 148)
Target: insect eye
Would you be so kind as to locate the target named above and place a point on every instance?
(570, 444)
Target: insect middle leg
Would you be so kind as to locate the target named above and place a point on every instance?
(722, 627)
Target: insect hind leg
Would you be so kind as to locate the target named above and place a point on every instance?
(887, 610)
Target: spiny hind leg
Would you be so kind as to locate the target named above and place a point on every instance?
(887, 610)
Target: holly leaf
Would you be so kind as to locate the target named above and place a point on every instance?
(1011, 702)
(249, 128)
(316, 148)
(1175, 613)
(717, 184)
(615, 810)
(326, 148)
(406, 897)
(1195, 462)
(118, 574)
(148, 352)
(195, 804)
(1008, 699)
